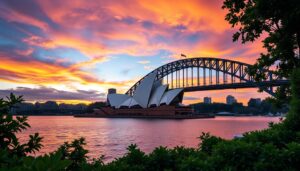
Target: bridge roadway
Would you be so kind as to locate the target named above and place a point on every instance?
(237, 85)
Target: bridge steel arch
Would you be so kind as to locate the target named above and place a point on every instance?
(222, 69)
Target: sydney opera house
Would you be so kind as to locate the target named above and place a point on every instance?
(150, 98)
(148, 94)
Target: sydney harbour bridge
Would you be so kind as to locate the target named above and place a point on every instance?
(206, 73)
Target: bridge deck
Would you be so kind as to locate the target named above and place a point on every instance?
(236, 85)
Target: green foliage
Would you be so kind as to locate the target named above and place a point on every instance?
(161, 159)
(9, 126)
(49, 162)
(7, 105)
(74, 152)
(293, 118)
(135, 156)
(234, 155)
(278, 136)
(207, 142)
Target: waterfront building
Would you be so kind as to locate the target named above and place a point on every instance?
(230, 100)
(207, 100)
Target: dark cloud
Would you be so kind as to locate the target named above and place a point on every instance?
(180, 27)
(148, 24)
(129, 20)
(14, 39)
(29, 8)
(44, 94)
(10, 32)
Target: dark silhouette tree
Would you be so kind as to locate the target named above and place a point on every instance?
(74, 152)
(9, 126)
(276, 20)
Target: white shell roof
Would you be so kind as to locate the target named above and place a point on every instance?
(156, 84)
(157, 95)
(143, 91)
(115, 100)
(170, 95)
(129, 102)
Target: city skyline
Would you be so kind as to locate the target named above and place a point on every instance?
(74, 52)
(202, 100)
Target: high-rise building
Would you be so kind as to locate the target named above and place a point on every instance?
(112, 91)
(207, 100)
(230, 100)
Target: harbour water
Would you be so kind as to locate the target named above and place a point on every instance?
(111, 136)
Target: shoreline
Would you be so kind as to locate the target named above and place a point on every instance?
(90, 116)
(146, 116)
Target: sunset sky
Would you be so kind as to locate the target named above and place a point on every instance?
(73, 51)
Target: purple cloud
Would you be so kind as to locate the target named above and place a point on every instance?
(45, 94)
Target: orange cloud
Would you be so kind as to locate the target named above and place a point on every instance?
(111, 15)
(39, 73)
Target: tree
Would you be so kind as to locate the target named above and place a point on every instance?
(276, 20)
(9, 126)
(293, 118)
(74, 152)
(252, 103)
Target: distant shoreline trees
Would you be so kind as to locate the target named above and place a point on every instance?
(53, 108)
(264, 108)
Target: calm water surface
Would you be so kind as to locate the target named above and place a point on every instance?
(110, 137)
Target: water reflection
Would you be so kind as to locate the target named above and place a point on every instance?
(111, 136)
